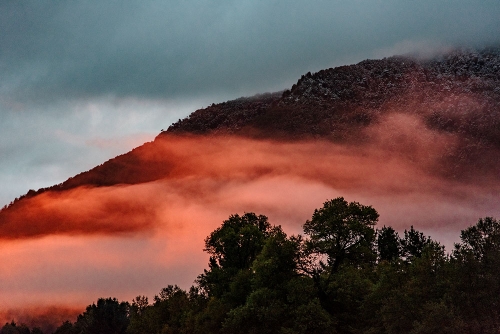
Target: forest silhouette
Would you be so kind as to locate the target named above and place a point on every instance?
(343, 275)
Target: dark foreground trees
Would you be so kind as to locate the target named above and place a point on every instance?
(343, 276)
(108, 316)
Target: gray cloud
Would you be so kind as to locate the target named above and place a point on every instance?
(56, 56)
(165, 49)
(44, 145)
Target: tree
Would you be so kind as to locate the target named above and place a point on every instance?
(406, 292)
(233, 247)
(388, 244)
(413, 244)
(481, 240)
(277, 262)
(281, 300)
(65, 328)
(476, 286)
(108, 316)
(13, 328)
(171, 306)
(343, 232)
(137, 316)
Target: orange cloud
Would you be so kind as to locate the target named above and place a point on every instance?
(144, 226)
(402, 164)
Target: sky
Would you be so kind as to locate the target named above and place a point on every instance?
(81, 82)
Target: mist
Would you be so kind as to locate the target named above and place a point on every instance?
(145, 227)
(399, 168)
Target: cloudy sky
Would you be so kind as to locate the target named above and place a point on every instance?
(83, 81)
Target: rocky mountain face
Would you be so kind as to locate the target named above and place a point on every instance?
(457, 94)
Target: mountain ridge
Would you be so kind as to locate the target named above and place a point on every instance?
(355, 94)
(457, 94)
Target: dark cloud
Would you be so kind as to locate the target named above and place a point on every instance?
(165, 49)
(64, 63)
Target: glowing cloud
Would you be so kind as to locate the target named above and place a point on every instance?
(137, 223)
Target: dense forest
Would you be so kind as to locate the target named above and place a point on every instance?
(344, 275)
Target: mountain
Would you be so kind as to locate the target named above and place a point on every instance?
(441, 114)
(457, 94)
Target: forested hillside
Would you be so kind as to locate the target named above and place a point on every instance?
(456, 92)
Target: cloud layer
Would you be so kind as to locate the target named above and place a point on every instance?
(141, 191)
(69, 248)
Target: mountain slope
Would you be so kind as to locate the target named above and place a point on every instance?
(449, 93)
(441, 116)
(457, 94)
